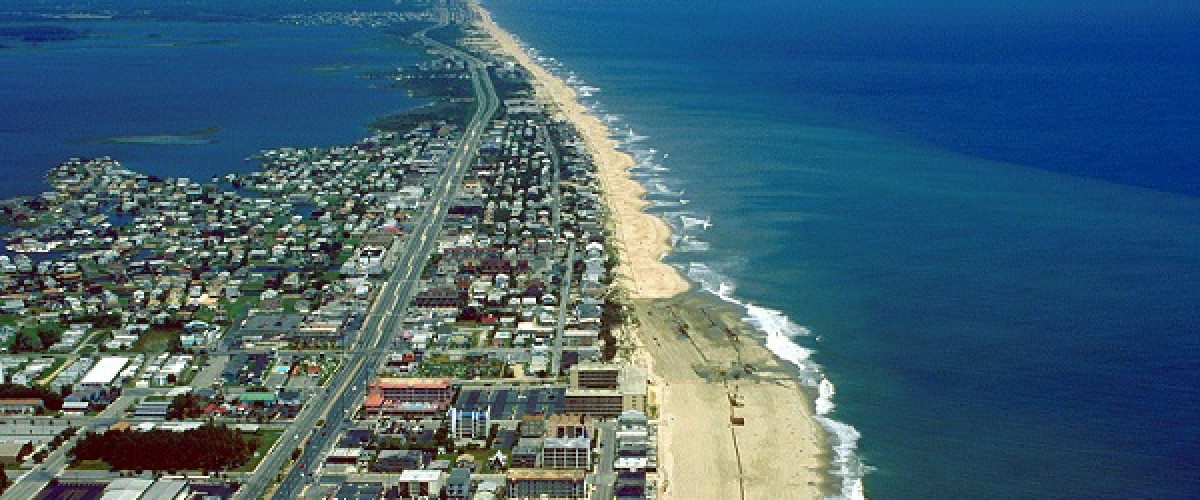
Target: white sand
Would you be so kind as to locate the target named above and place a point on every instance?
(779, 449)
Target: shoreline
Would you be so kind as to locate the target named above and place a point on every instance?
(643, 240)
(781, 447)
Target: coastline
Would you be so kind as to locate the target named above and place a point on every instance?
(696, 377)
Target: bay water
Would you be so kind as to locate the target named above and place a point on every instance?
(974, 228)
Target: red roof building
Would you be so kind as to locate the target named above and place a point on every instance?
(409, 396)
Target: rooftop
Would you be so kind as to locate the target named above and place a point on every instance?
(420, 476)
(414, 383)
(544, 474)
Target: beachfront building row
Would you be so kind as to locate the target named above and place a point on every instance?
(606, 390)
(546, 483)
(596, 390)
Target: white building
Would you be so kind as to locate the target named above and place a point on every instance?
(421, 483)
(469, 424)
(104, 373)
(126, 488)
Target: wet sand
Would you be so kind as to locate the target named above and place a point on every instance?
(701, 379)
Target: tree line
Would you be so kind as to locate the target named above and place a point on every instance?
(206, 448)
(51, 399)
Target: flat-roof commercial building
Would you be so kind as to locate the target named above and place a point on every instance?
(409, 397)
(421, 483)
(511, 402)
(20, 406)
(595, 375)
(606, 390)
(469, 424)
(534, 483)
(167, 489)
(567, 453)
(104, 373)
(570, 426)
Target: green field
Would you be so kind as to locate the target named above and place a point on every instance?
(266, 438)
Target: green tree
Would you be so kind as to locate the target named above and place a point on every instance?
(185, 406)
(27, 342)
(53, 400)
(206, 448)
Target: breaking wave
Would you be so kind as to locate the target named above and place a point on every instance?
(780, 335)
(778, 332)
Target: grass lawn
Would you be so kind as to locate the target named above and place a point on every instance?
(266, 438)
(89, 465)
(97, 336)
(481, 459)
(198, 363)
(236, 310)
(204, 314)
(155, 340)
(46, 376)
(327, 370)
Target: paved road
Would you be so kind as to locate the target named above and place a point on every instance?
(605, 477)
(347, 387)
(29, 484)
(564, 301)
(211, 372)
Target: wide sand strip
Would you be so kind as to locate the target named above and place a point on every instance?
(712, 370)
(778, 451)
(642, 239)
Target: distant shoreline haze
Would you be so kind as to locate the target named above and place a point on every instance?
(981, 221)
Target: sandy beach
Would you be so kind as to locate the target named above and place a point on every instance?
(699, 380)
(710, 368)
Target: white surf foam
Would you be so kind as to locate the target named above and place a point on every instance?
(780, 333)
(631, 137)
(846, 463)
(693, 222)
(825, 391)
(692, 245)
(667, 203)
(660, 188)
(686, 223)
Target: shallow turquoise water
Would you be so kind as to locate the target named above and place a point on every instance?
(985, 229)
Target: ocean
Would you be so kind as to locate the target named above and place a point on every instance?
(974, 228)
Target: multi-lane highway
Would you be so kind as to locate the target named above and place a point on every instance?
(315, 428)
(347, 387)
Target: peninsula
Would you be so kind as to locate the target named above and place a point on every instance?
(735, 421)
(470, 302)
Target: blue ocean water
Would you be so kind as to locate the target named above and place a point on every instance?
(265, 85)
(982, 222)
